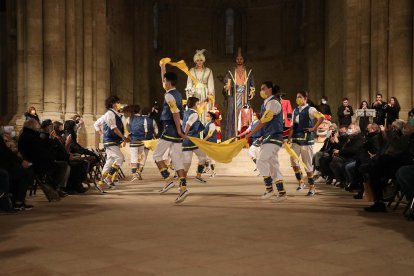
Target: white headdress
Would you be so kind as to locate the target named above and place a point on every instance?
(199, 55)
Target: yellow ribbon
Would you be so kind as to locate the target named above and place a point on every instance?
(293, 154)
(151, 144)
(180, 65)
(223, 153)
(228, 141)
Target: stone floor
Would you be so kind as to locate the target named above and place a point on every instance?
(223, 228)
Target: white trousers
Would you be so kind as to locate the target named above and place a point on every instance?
(175, 150)
(113, 156)
(254, 151)
(268, 161)
(305, 153)
(135, 153)
(188, 157)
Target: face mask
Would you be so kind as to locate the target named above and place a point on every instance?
(208, 119)
(13, 134)
(263, 94)
(328, 134)
(411, 121)
(324, 101)
(254, 118)
(349, 131)
(33, 112)
(343, 134)
(299, 101)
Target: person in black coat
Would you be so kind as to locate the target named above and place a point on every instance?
(31, 114)
(392, 110)
(379, 107)
(363, 120)
(324, 107)
(20, 176)
(345, 113)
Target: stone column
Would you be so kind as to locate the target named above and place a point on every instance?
(33, 60)
(401, 53)
(379, 48)
(54, 57)
(143, 43)
(79, 54)
(364, 21)
(70, 100)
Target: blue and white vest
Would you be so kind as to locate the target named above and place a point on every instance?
(300, 135)
(170, 131)
(110, 138)
(273, 130)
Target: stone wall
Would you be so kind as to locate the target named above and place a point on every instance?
(66, 56)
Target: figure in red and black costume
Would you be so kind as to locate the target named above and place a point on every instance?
(216, 111)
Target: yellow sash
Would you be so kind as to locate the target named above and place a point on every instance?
(151, 144)
(293, 154)
(180, 65)
(223, 153)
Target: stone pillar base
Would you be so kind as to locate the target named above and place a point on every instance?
(87, 135)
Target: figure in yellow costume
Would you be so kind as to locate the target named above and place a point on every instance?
(204, 88)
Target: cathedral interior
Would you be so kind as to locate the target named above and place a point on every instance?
(66, 57)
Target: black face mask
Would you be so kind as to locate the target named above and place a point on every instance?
(60, 132)
(343, 134)
(398, 132)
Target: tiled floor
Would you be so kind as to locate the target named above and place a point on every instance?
(223, 228)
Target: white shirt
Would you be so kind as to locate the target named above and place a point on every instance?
(110, 119)
(170, 99)
(154, 125)
(273, 106)
(98, 124)
(211, 128)
(312, 112)
(192, 118)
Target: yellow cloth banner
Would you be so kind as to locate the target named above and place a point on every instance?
(293, 154)
(151, 144)
(223, 153)
(180, 65)
(228, 141)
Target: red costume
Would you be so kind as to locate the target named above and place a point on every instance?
(217, 122)
(245, 118)
(287, 112)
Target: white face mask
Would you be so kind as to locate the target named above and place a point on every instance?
(324, 101)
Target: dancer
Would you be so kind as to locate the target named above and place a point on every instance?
(135, 126)
(272, 124)
(205, 87)
(151, 132)
(302, 137)
(172, 136)
(256, 139)
(210, 134)
(113, 136)
(192, 127)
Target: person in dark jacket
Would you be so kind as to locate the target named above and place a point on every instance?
(345, 113)
(392, 110)
(396, 154)
(31, 114)
(379, 107)
(324, 108)
(347, 154)
(363, 120)
(20, 176)
(37, 151)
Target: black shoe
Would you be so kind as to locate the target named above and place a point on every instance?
(329, 181)
(358, 196)
(6, 205)
(377, 207)
(62, 193)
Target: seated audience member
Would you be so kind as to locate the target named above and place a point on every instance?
(20, 176)
(347, 154)
(5, 202)
(31, 114)
(398, 152)
(36, 150)
(325, 151)
(337, 140)
(78, 166)
(373, 142)
(71, 127)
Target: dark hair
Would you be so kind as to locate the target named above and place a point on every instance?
(360, 106)
(57, 125)
(411, 113)
(303, 93)
(345, 99)
(46, 123)
(110, 101)
(136, 108)
(212, 115)
(379, 94)
(171, 77)
(396, 103)
(146, 110)
(29, 110)
(191, 102)
(324, 98)
(268, 84)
